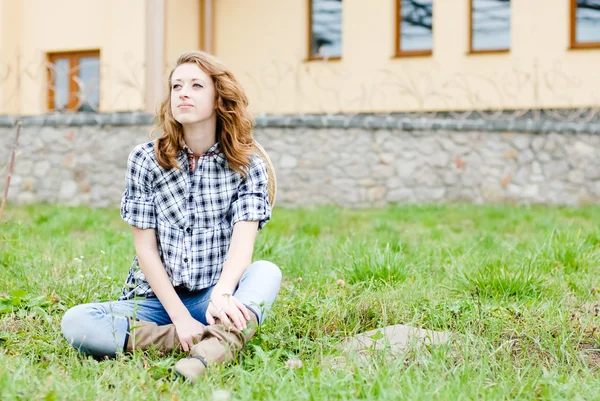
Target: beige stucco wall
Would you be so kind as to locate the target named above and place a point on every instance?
(265, 43)
(182, 29)
(36, 27)
(10, 15)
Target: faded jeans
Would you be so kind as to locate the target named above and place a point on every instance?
(100, 329)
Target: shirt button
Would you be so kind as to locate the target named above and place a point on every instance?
(189, 230)
(185, 260)
(191, 198)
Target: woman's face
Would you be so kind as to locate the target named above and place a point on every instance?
(192, 94)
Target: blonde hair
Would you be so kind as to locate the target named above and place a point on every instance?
(234, 123)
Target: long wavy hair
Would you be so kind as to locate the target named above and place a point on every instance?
(234, 123)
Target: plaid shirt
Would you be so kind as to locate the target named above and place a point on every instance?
(192, 211)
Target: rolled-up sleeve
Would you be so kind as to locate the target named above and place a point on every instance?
(137, 205)
(252, 203)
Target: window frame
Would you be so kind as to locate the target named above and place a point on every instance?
(574, 44)
(482, 51)
(398, 52)
(312, 57)
(73, 57)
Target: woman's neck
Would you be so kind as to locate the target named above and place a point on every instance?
(199, 137)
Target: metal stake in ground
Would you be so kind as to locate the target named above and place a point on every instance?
(10, 169)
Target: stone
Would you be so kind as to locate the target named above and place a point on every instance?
(288, 161)
(439, 159)
(357, 171)
(474, 161)
(427, 177)
(395, 339)
(583, 149)
(332, 164)
(430, 194)
(366, 182)
(28, 184)
(514, 190)
(522, 175)
(406, 168)
(510, 154)
(15, 180)
(553, 142)
(594, 188)
(472, 179)
(26, 198)
(450, 178)
(41, 168)
(530, 191)
(493, 193)
(88, 158)
(375, 148)
(401, 195)
(67, 190)
(592, 173)
(68, 161)
(383, 171)
(521, 141)
(576, 176)
(398, 182)
(537, 178)
(525, 157)
(377, 193)
(386, 158)
(495, 143)
(465, 138)
(302, 163)
(543, 157)
(555, 169)
(427, 147)
(537, 143)
(453, 148)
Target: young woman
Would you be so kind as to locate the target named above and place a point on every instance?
(195, 199)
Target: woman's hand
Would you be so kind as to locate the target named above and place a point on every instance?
(188, 330)
(227, 309)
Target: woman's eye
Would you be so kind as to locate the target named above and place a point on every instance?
(176, 86)
(197, 86)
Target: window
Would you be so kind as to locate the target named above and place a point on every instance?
(325, 29)
(414, 29)
(585, 23)
(490, 26)
(73, 81)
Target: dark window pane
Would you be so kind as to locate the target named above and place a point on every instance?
(60, 82)
(416, 25)
(491, 24)
(326, 28)
(588, 21)
(88, 83)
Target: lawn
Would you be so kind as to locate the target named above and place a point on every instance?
(518, 286)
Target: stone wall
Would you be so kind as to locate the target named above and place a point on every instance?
(346, 160)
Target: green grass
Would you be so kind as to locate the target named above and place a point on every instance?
(519, 286)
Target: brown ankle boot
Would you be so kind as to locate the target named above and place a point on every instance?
(143, 335)
(218, 345)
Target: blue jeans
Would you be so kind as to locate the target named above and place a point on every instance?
(100, 329)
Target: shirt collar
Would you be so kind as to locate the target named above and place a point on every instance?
(214, 152)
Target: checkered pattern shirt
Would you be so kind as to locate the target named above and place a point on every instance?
(192, 212)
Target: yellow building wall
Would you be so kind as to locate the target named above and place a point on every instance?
(182, 29)
(36, 27)
(10, 12)
(265, 43)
